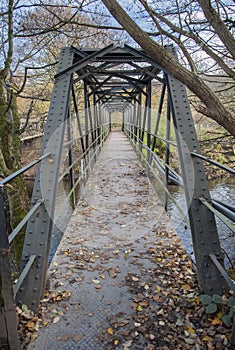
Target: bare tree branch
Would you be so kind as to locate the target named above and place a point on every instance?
(220, 28)
(213, 106)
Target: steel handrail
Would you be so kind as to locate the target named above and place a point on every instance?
(23, 170)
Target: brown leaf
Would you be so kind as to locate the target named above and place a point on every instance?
(30, 325)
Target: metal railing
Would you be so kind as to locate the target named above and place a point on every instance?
(8, 321)
(143, 141)
(78, 171)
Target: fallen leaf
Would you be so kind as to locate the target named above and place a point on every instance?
(191, 330)
(110, 331)
(127, 345)
(113, 272)
(216, 321)
(135, 279)
(143, 303)
(78, 337)
(207, 338)
(136, 324)
(96, 281)
(30, 325)
(24, 308)
(66, 294)
(56, 319)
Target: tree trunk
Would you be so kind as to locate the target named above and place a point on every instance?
(9, 162)
(214, 107)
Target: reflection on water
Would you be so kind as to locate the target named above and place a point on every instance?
(223, 191)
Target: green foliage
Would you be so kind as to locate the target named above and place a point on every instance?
(227, 320)
(160, 148)
(231, 302)
(211, 308)
(206, 299)
(223, 306)
(217, 299)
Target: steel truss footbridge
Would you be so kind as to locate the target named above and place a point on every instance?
(103, 82)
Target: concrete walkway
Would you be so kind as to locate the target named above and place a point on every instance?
(111, 266)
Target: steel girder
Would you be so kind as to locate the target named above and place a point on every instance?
(38, 232)
(202, 222)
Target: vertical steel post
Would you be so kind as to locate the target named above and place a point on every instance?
(130, 120)
(148, 103)
(39, 227)
(123, 120)
(110, 121)
(8, 320)
(167, 151)
(139, 113)
(78, 119)
(131, 117)
(87, 133)
(90, 119)
(144, 117)
(134, 121)
(99, 122)
(95, 118)
(70, 157)
(86, 117)
(102, 120)
(139, 124)
(202, 221)
(158, 116)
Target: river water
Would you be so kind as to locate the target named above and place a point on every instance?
(223, 190)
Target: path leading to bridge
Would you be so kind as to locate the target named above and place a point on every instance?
(120, 278)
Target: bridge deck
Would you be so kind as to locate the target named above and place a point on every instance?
(120, 275)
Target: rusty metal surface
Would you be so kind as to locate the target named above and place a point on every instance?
(109, 233)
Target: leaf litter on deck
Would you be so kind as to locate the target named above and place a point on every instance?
(165, 310)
